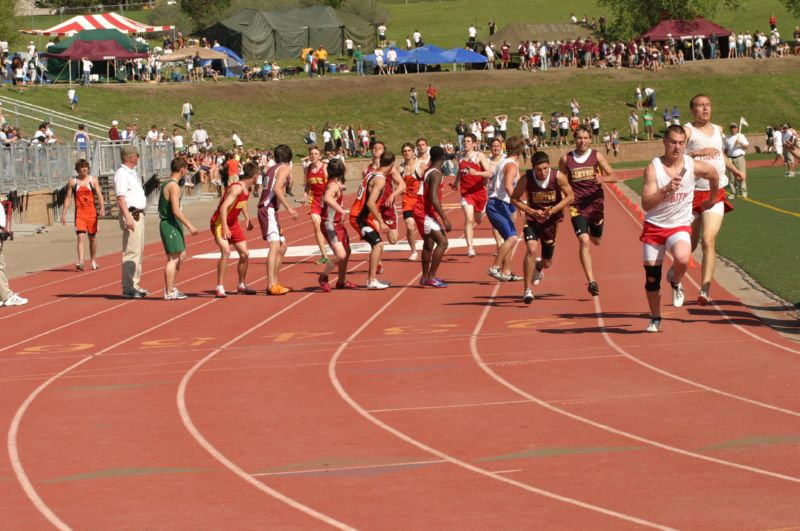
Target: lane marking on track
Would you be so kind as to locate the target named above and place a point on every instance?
(402, 464)
(442, 455)
(773, 208)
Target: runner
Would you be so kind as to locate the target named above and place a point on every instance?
(335, 233)
(366, 218)
(313, 190)
(546, 193)
(473, 174)
(496, 155)
(394, 187)
(85, 189)
(587, 170)
(668, 197)
(705, 142)
(272, 198)
(227, 231)
(171, 230)
(501, 212)
(412, 170)
(430, 217)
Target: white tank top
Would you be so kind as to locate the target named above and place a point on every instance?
(497, 188)
(699, 140)
(675, 210)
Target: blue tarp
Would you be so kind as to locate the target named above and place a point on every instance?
(401, 54)
(230, 67)
(462, 55)
(426, 55)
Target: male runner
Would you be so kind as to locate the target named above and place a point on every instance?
(272, 198)
(500, 211)
(366, 218)
(668, 195)
(705, 142)
(313, 190)
(587, 170)
(227, 231)
(394, 187)
(171, 224)
(473, 174)
(430, 217)
(411, 169)
(546, 193)
(335, 233)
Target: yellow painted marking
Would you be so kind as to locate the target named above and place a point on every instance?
(52, 349)
(416, 329)
(540, 322)
(175, 342)
(284, 337)
(776, 209)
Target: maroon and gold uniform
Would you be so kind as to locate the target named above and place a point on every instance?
(232, 215)
(316, 181)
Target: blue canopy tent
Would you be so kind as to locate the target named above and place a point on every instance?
(401, 54)
(425, 55)
(230, 67)
(463, 56)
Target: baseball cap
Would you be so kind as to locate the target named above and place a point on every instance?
(114, 122)
(128, 150)
(734, 124)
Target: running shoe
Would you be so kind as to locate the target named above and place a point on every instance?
(654, 326)
(143, 292)
(277, 289)
(15, 300)
(377, 284)
(380, 268)
(437, 283)
(174, 295)
(528, 297)
(220, 293)
(95, 267)
(495, 273)
(677, 290)
(537, 277)
(413, 256)
(470, 252)
(346, 285)
(324, 284)
(80, 267)
(323, 260)
(510, 277)
(593, 288)
(244, 290)
(703, 299)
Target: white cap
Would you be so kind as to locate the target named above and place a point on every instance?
(114, 122)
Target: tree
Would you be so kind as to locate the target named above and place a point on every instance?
(634, 17)
(205, 12)
(793, 6)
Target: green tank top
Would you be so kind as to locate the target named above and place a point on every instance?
(164, 207)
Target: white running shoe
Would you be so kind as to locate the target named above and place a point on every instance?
(377, 284)
(677, 290)
(654, 326)
(15, 300)
(413, 256)
(528, 297)
(495, 272)
(537, 277)
(703, 299)
(95, 267)
(470, 252)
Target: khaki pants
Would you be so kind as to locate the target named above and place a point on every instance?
(132, 253)
(739, 187)
(5, 291)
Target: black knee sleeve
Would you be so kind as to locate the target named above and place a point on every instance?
(652, 278)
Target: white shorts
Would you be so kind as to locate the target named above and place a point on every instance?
(273, 229)
(718, 209)
(430, 224)
(655, 253)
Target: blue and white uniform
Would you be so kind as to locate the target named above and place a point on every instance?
(499, 209)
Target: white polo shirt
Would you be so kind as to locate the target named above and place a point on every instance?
(128, 185)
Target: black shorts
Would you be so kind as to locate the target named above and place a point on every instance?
(544, 232)
(408, 214)
(563, 132)
(583, 225)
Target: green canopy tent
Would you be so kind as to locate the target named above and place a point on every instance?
(102, 47)
(262, 35)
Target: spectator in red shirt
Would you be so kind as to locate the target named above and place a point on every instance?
(432, 93)
(113, 133)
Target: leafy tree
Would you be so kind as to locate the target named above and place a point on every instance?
(205, 12)
(634, 17)
(792, 5)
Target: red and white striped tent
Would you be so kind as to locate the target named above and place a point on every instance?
(102, 21)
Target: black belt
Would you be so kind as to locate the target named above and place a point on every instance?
(136, 212)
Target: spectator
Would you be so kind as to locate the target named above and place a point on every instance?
(187, 111)
(736, 145)
(412, 99)
(647, 118)
(633, 122)
(359, 56)
(321, 55)
(131, 201)
(87, 70)
(382, 34)
(113, 133)
(650, 98)
(417, 38)
(432, 95)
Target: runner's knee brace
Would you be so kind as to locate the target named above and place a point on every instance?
(652, 278)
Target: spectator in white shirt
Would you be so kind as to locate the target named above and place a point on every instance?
(736, 147)
(131, 202)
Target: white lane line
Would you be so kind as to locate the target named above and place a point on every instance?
(13, 430)
(401, 464)
(715, 305)
(450, 406)
(543, 403)
(442, 455)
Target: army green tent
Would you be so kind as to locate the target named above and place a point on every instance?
(263, 35)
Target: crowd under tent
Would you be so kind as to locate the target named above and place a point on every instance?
(685, 29)
(519, 32)
(103, 47)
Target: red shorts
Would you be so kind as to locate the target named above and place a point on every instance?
(658, 236)
(87, 225)
(477, 200)
(389, 215)
(409, 201)
(700, 197)
(336, 234)
(419, 218)
(315, 203)
(237, 234)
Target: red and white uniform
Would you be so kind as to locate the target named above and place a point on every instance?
(268, 207)
(671, 219)
(232, 215)
(412, 181)
(425, 214)
(316, 181)
(360, 216)
(700, 140)
(472, 188)
(332, 225)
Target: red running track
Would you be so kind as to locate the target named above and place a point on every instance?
(407, 408)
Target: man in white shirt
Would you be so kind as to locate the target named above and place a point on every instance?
(152, 135)
(31, 49)
(87, 70)
(187, 111)
(736, 147)
(417, 38)
(473, 34)
(237, 141)
(391, 60)
(789, 139)
(382, 34)
(131, 202)
(348, 45)
(200, 136)
(7, 297)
